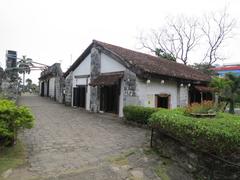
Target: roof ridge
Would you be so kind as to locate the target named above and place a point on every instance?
(145, 54)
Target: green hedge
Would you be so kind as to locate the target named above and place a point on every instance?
(219, 135)
(12, 118)
(138, 114)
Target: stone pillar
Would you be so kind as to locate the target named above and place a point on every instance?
(95, 72)
(129, 89)
(68, 90)
(183, 95)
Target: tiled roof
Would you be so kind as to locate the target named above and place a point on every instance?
(148, 63)
(107, 79)
(205, 89)
(156, 65)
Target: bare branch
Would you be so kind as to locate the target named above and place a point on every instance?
(217, 29)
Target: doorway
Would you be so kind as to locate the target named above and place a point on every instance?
(163, 101)
(109, 98)
(79, 96)
(42, 89)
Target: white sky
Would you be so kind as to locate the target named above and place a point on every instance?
(50, 31)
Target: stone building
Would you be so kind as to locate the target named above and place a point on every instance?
(51, 83)
(105, 78)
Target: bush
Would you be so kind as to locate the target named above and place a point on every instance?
(12, 118)
(204, 107)
(219, 135)
(138, 114)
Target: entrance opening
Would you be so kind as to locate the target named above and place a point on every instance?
(48, 88)
(109, 98)
(199, 95)
(42, 89)
(163, 101)
(79, 96)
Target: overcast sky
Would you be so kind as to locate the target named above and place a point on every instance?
(50, 31)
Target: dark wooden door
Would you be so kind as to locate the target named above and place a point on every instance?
(42, 89)
(82, 95)
(79, 96)
(109, 99)
(76, 97)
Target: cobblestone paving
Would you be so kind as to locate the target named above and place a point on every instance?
(68, 143)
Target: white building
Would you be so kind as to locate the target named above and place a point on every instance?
(107, 77)
(51, 83)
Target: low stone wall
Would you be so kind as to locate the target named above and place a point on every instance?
(9, 89)
(201, 165)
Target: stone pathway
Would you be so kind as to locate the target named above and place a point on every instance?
(68, 143)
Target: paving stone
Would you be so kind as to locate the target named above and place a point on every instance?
(65, 139)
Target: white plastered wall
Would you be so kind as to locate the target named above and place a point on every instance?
(146, 92)
(84, 69)
(52, 87)
(109, 65)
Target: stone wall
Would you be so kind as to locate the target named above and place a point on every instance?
(201, 165)
(8, 84)
(67, 97)
(9, 89)
(129, 89)
(59, 83)
(95, 71)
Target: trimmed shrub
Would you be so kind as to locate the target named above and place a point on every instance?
(12, 118)
(219, 135)
(138, 114)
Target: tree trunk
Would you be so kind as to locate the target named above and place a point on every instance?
(231, 107)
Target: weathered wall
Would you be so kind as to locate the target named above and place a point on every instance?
(95, 71)
(68, 89)
(9, 89)
(202, 165)
(129, 88)
(146, 92)
(183, 96)
(45, 88)
(59, 82)
(52, 89)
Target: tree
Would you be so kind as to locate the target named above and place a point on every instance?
(205, 68)
(29, 84)
(161, 53)
(180, 36)
(216, 28)
(24, 66)
(228, 88)
(174, 41)
(233, 90)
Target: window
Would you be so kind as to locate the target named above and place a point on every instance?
(162, 100)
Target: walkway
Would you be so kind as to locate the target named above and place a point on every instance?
(68, 143)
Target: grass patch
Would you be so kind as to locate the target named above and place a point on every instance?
(12, 157)
(161, 169)
(122, 159)
(119, 160)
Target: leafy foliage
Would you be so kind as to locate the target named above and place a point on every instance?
(204, 107)
(138, 114)
(219, 135)
(205, 68)
(12, 118)
(228, 89)
(161, 53)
